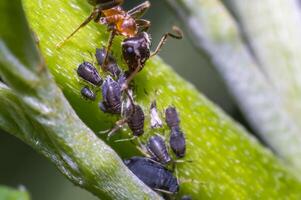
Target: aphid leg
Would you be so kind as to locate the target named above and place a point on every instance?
(163, 191)
(92, 57)
(110, 132)
(139, 10)
(118, 125)
(92, 16)
(143, 24)
(178, 35)
(108, 48)
(126, 139)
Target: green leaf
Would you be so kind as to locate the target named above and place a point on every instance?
(227, 163)
(7, 193)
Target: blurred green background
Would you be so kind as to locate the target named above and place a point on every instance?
(20, 165)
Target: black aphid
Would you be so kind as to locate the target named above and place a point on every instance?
(135, 119)
(171, 117)
(156, 122)
(87, 93)
(111, 94)
(111, 65)
(177, 140)
(89, 73)
(153, 174)
(157, 149)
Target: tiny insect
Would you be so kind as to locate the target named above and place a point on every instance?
(177, 140)
(112, 65)
(153, 174)
(171, 117)
(118, 21)
(156, 122)
(157, 149)
(135, 119)
(89, 73)
(87, 93)
(111, 94)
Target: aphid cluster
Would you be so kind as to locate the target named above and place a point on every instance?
(153, 169)
(117, 94)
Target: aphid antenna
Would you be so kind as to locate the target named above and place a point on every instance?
(142, 148)
(178, 34)
(183, 181)
(92, 16)
(127, 139)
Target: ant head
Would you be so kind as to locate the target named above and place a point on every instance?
(105, 4)
(136, 50)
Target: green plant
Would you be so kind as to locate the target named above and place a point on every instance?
(227, 162)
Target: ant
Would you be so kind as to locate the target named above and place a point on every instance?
(118, 21)
(136, 45)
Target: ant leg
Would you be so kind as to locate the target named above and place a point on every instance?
(178, 35)
(92, 16)
(139, 10)
(130, 78)
(143, 24)
(127, 139)
(110, 42)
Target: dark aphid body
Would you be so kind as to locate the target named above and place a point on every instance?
(177, 142)
(177, 139)
(136, 50)
(171, 117)
(135, 119)
(89, 73)
(112, 65)
(155, 122)
(87, 93)
(153, 174)
(157, 149)
(111, 94)
(186, 197)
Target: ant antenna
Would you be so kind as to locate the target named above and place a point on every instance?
(178, 34)
(87, 20)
